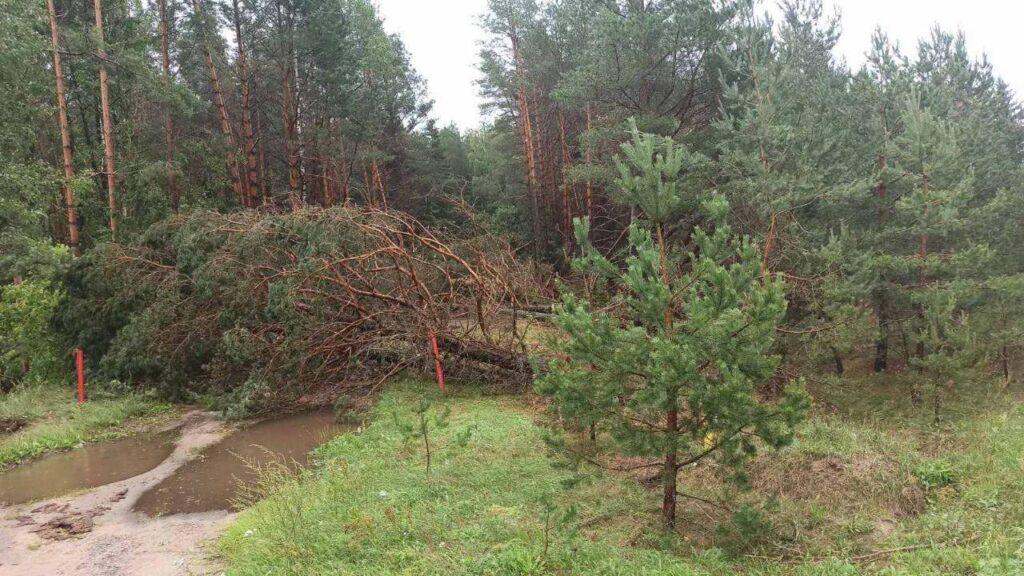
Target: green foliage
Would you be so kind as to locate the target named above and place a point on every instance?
(671, 371)
(28, 346)
(935, 474)
(423, 427)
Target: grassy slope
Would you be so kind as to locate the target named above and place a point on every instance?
(56, 422)
(846, 489)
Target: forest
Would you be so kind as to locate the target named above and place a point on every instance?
(697, 297)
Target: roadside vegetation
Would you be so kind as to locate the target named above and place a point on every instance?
(860, 491)
(39, 418)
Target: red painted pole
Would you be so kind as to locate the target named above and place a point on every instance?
(80, 369)
(437, 361)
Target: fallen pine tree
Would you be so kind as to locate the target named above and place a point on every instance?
(262, 308)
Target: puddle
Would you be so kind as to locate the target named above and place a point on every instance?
(211, 481)
(88, 467)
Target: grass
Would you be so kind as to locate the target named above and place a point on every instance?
(862, 491)
(54, 421)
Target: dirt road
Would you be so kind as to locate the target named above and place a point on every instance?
(95, 533)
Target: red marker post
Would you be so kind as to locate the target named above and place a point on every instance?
(437, 361)
(80, 369)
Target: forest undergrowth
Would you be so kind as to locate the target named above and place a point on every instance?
(870, 486)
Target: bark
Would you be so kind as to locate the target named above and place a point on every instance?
(173, 195)
(590, 192)
(108, 126)
(288, 110)
(251, 183)
(65, 134)
(378, 182)
(881, 305)
(526, 136)
(218, 100)
(670, 469)
(566, 163)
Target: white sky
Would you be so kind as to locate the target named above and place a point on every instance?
(443, 38)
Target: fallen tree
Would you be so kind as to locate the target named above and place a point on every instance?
(263, 308)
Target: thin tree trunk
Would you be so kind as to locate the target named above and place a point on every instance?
(670, 469)
(881, 305)
(218, 100)
(65, 134)
(566, 163)
(379, 183)
(262, 161)
(590, 191)
(922, 276)
(526, 135)
(251, 183)
(108, 126)
(165, 55)
(288, 112)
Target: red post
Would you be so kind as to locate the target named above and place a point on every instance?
(80, 369)
(437, 361)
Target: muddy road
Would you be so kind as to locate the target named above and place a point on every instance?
(171, 496)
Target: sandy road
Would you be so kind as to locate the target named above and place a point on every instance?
(114, 541)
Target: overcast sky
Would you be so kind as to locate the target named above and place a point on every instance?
(443, 38)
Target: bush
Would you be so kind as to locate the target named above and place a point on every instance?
(28, 346)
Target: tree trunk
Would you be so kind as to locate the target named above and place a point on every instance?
(65, 135)
(881, 304)
(288, 111)
(173, 195)
(590, 191)
(566, 163)
(670, 470)
(526, 135)
(251, 184)
(108, 126)
(218, 100)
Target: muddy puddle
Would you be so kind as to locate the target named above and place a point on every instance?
(213, 479)
(88, 467)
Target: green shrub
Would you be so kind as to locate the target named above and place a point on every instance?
(28, 346)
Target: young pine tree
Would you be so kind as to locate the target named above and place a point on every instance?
(669, 371)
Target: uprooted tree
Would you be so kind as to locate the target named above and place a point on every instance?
(269, 307)
(669, 368)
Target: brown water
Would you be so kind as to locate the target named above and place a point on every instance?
(212, 480)
(88, 467)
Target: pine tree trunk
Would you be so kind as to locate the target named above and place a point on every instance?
(288, 110)
(670, 469)
(881, 305)
(108, 126)
(65, 135)
(922, 276)
(566, 163)
(261, 160)
(173, 196)
(218, 101)
(251, 184)
(379, 184)
(590, 191)
(526, 135)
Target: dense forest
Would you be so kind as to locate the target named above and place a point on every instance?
(679, 216)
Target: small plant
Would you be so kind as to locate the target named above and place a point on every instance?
(423, 424)
(935, 474)
(555, 516)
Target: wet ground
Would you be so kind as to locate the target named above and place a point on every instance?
(212, 481)
(88, 467)
(101, 532)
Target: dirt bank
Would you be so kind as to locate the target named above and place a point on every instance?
(95, 533)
